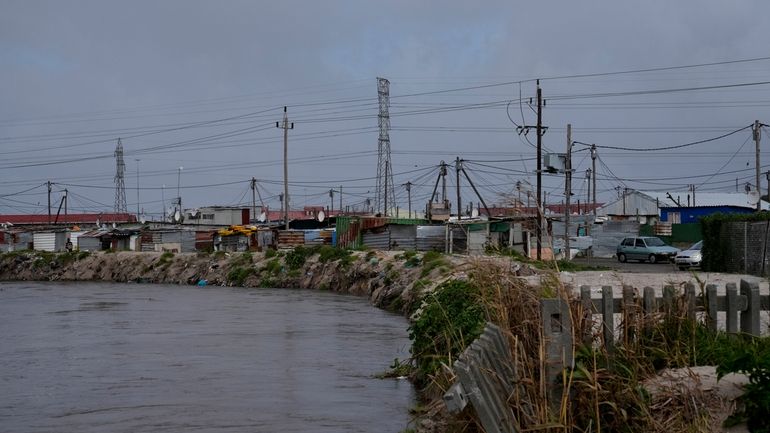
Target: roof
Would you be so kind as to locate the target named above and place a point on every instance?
(76, 218)
(649, 202)
(704, 199)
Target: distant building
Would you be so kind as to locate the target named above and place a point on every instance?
(69, 219)
(648, 207)
(217, 216)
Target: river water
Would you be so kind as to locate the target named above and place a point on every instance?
(158, 358)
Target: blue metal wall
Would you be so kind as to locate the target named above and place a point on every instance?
(692, 214)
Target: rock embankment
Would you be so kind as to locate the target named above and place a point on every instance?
(391, 280)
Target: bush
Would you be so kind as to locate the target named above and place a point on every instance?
(296, 258)
(237, 275)
(750, 356)
(270, 253)
(451, 319)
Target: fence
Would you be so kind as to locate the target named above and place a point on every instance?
(486, 377)
(486, 370)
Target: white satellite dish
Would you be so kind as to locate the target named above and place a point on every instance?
(142, 219)
(262, 217)
(114, 225)
(475, 212)
(321, 216)
(177, 216)
(753, 197)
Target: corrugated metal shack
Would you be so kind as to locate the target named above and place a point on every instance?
(15, 240)
(243, 238)
(53, 241)
(176, 241)
(91, 241)
(395, 234)
(105, 239)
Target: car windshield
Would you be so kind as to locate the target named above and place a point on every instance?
(654, 242)
(697, 246)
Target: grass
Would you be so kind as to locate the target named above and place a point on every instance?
(604, 392)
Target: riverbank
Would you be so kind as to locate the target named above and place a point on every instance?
(391, 280)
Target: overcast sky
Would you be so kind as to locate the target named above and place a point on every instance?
(200, 85)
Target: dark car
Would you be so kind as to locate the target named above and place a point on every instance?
(645, 248)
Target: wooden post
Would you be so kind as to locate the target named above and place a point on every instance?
(608, 318)
(732, 308)
(712, 307)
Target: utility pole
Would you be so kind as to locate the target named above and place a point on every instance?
(567, 190)
(286, 126)
(137, 187)
(756, 142)
(340, 211)
(408, 186)
(458, 167)
(331, 197)
(66, 199)
(539, 203)
(588, 195)
(253, 199)
(49, 202)
(593, 171)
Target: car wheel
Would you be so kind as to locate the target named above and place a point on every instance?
(653, 259)
(621, 257)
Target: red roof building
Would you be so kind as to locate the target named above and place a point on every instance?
(76, 218)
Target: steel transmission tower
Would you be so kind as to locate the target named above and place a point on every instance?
(120, 186)
(385, 194)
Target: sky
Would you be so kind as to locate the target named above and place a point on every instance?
(193, 90)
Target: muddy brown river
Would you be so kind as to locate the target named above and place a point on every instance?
(156, 358)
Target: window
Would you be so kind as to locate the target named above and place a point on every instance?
(675, 217)
(640, 243)
(208, 216)
(628, 242)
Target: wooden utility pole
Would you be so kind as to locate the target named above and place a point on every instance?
(756, 142)
(331, 199)
(408, 186)
(49, 202)
(567, 190)
(286, 126)
(539, 202)
(340, 191)
(459, 204)
(253, 199)
(593, 171)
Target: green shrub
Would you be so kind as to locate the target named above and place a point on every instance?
(296, 258)
(451, 318)
(272, 267)
(328, 253)
(750, 356)
(237, 275)
(270, 253)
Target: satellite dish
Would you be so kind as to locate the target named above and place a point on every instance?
(142, 219)
(194, 213)
(177, 216)
(753, 197)
(114, 225)
(475, 212)
(321, 216)
(262, 217)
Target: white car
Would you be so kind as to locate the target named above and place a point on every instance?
(690, 258)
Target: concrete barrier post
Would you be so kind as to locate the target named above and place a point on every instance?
(750, 315)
